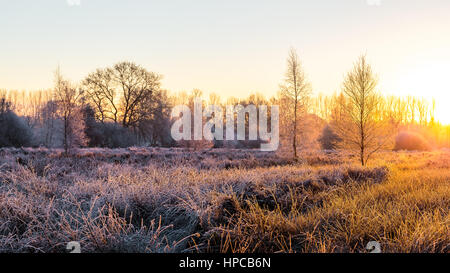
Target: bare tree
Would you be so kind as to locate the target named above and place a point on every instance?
(136, 85)
(67, 98)
(295, 93)
(100, 91)
(356, 122)
(126, 94)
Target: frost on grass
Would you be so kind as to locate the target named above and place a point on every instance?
(174, 200)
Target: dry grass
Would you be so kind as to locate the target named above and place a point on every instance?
(173, 200)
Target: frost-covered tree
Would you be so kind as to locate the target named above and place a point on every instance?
(67, 98)
(295, 92)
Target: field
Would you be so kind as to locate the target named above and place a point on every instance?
(233, 201)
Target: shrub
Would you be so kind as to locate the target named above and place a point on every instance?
(411, 141)
(14, 131)
(116, 136)
(329, 140)
(108, 134)
(93, 128)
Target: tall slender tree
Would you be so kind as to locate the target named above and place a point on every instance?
(295, 92)
(68, 98)
(357, 123)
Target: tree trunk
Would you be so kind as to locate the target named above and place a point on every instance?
(66, 129)
(362, 157)
(294, 144)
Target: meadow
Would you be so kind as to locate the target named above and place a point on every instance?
(156, 200)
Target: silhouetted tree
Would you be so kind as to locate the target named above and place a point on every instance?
(356, 123)
(130, 95)
(119, 91)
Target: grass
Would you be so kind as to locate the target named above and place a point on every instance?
(173, 200)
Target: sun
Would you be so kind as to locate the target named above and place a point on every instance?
(430, 81)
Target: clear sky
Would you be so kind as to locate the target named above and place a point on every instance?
(230, 47)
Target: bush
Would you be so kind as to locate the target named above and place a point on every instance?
(108, 134)
(329, 140)
(116, 136)
(14, 131)
(411, 141)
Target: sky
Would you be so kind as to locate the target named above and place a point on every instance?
(232, 48)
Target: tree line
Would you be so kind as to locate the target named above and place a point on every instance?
(125, 105)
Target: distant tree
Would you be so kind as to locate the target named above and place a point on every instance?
(196, 144)
(137, 85)
(129, 95)
(214, 99)
(5, 106)
(76, 135)
(92, 130)
(102, 93)
(295, 93)
(356, 123)
(48, 119)
(67, 98)
(153, 125)
(118, 92)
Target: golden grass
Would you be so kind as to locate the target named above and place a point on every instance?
(315, 205)
(408, 212)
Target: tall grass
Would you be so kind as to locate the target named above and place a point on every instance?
(172, 200)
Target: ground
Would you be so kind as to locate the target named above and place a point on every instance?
(174, 200)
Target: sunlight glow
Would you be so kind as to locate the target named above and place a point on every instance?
(430, 81)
